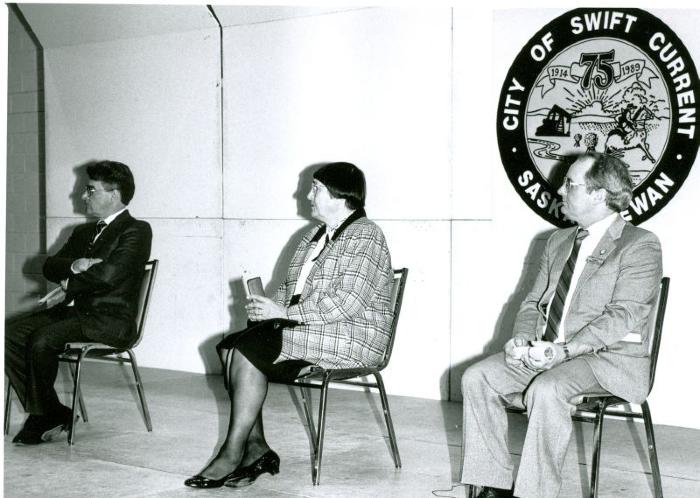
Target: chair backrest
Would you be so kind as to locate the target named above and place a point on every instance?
(657, 328)
(397, 289)
(149, 277)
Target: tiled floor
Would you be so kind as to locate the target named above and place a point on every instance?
(113, 454)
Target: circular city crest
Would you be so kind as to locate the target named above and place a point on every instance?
(607, 80)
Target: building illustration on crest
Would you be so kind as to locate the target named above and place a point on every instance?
(616, 81)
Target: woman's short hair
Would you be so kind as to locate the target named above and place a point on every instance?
(611, 174)
(116, 174)
(344, 181)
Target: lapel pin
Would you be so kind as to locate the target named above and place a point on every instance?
(602, 251)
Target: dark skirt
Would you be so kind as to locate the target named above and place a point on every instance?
(261, 344)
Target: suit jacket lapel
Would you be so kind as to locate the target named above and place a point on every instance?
(356, 215)
(605, 247)
(112, 230)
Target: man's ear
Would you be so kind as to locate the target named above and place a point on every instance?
(600, 194)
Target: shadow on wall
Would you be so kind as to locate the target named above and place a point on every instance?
(76, 195)
(78, 204)
(502, 329)
(33, 266)
(504, 324)
(238, 320)
(236, 307)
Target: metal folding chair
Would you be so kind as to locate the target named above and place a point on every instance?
(594, 408)
(76, 353)
(315, 377)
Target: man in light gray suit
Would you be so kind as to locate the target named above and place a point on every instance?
(588, 319)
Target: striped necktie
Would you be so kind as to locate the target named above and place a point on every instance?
(101, 225)
(556, 306)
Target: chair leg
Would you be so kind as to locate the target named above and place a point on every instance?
(318, 453)
(227, 368)
(81, 402)
(139, 388)
(306, 398)
(651, 443)
(8, 407)
(597, 439)
(76, 395)
(387, 418)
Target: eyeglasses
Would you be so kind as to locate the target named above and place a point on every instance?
(568, 184)
(315, 187)
(90, 190)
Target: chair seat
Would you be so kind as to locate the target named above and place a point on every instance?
(594, 407)
(75, 352)
(337, 374)
(589, 402)
(91, 345)
(583, 403)
(90, 350)
(317, 377)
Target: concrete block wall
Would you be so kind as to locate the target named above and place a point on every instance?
(26, 234)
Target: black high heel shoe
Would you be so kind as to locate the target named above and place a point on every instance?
(245, 476)
(199, 481)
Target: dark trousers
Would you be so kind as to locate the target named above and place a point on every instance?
(32, 345)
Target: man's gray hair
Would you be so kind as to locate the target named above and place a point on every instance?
(611, 174)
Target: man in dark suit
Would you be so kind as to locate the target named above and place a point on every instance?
(99, 269)
(588, 318)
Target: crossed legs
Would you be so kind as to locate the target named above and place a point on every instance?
(245, 439)
(486, 386)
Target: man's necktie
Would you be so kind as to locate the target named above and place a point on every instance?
(556, 306)
(98, 230)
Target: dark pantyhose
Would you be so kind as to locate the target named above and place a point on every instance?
(245, 439)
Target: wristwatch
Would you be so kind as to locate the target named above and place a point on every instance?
(567, 354)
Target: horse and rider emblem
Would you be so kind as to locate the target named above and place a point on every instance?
(600, 80)
(603, 92)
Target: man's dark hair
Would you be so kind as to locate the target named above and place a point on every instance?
(116, 174)
(611, 174)
(343, 181)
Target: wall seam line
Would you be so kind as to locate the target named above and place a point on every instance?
(221, 155)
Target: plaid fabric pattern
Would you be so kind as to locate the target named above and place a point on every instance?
(345, 304)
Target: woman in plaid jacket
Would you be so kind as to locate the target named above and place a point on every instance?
(332, 310)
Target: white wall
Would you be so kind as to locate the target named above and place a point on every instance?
(410, 95)
(506, 242)
(154, 104)
(677, 227)
(369, 86)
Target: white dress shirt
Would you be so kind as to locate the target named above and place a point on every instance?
(109, 219)
(588, 245)
(309, 263)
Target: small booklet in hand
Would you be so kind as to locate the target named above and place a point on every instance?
(254, 287)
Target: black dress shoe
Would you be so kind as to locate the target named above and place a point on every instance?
(487, 492)
(199, 481)
(245, 476)
(40, 428)
(31, 431)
